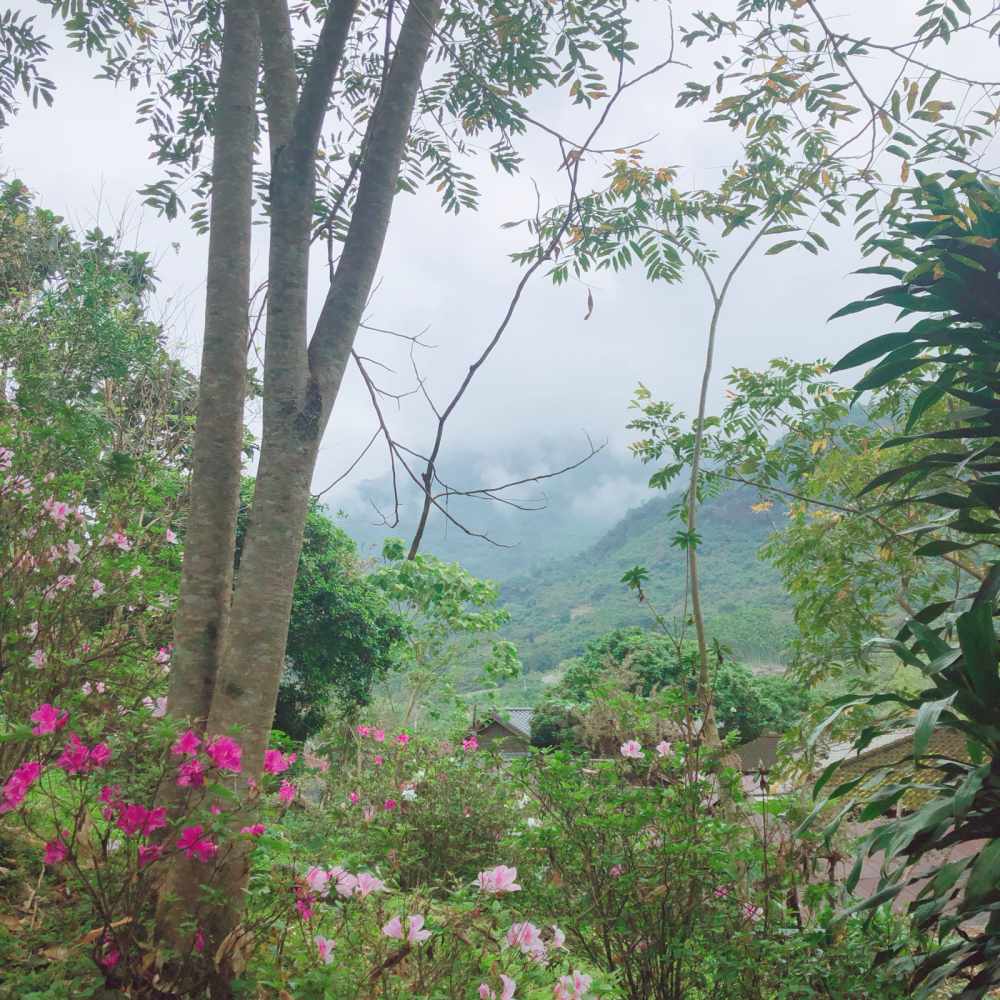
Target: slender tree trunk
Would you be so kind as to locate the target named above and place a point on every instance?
(207, 575)
(710, 731)
(300, 386)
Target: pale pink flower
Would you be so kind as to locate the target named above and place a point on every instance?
(59, 511)
(633, 749)
(417, 934)
(751, 912)
(87, 689)
(369, 883)
(161, 708)
(287, 791)
(38, 659)
(136, 571)
(171, 537)
(325, 947)
(485, 993)
(369, 814)
(100, 684)
(524, 936)
(344, 881)
(499, 879)
(394, 928)
(49, 719)
(33, 630)
(317, 879)
(98, 588)
(663, 748)
(508, 987)
(162, 656)
(72, 551)
(558, 938)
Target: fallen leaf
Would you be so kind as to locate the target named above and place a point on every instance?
(58, 953)
(93, 935)
(9, 921)
(590, 304)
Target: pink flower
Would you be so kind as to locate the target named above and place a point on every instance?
(20, 781)
(499, 879)
(722, 891)
(378, 734)
(378, 760)
(110, 959)
(364, 730)
(317, 879)
(325, 947)
(617, 870)
(472, 743)
(663, 749)
(485, 993)
(38, 658)
(508, 987)
(161, 708)
(523, 936)
(171, 537)
(55, 851)
(75, 756)
(98, 589)
(117, 539)
(287, 791)
(147, 855)
(558, 938)
(751, 912)
(345, 882)
(109, 793)
(257, 830)
(417, 934)
(225, 753)
(192, 842)
(188, 743)
(100, 755)
(402, 738)
(199, 942)
(162, 656)
(368, 883)
(72, 551)
(304, 904)
(59, 512)
(136, 571)
(633, 749)
(275, 761)
(390, 804)
(132, 818)
(190, 774)
(394, 928)
(49, 719)
(353, 797)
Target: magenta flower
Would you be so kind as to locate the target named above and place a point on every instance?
(199, 942)
(663, 749)
(390, 804)
(188, 743)
(17, 787)
(394, 928)
(100, 755)
(75, 756)
(287, 791)
(633, 749)
(132, 818)
(378, 760)
(353, 797)
(364, 730)
(402, 738)
(49, 719)
(225, 753)
(275, 761)
(499, 879)
(147, 855)
(190, 774)
(472, 743)
(722, 891)
(257, 830)
(368, 883)
(304, 903)
(55, 851)
(110, 959)
(378, 734)
(416, 933)
(325, 947)
(194, 845)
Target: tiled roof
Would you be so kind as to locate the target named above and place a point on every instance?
(760, 754)
(518, 718)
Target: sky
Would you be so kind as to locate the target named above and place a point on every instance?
(557, 379)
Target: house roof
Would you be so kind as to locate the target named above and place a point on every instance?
(760, 754)
(517, 720)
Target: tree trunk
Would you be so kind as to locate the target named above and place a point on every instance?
(300, 386)
(207, 576)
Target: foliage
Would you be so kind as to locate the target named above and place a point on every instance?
(948, 235)
(450, 614)
(341, 635)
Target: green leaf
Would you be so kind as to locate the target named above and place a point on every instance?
(927, 719)
(942, 546)
(980, 652)
(872, 349)
(983, 877)
(779, 247)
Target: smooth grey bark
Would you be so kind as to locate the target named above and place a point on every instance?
(301, 380)
(207, 574)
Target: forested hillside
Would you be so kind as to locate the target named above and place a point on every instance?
(562, 604)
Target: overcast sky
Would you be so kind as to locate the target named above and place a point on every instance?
(555, 377)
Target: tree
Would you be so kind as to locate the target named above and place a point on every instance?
(342, 636)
